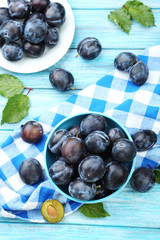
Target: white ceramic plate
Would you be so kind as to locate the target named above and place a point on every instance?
(51, 55)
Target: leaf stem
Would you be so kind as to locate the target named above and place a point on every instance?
(29, 89)
(125, 7)
(150, 166)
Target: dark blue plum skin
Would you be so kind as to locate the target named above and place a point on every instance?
(139, 73)
(89, 48)
(115, 176)
(115, 134)
(82, 190)
(33, 50)
(55, 14)
(91, 168)
(39, 5)
(124, 150)
(52, 37)
(35, 31)
(60, 172)
(124, 61)
(108, 159)
(4, 15)
(142, 180)
(11, 30)
(9, 1)
(30, 171)
(35, 15)
(59, 157)
(92, 122)
(57, 139)
(73, 149)
(102, 191)
(61, 79)
(12, 51)
(2, 41)
(144, 139)
(97, 142)
(18, 10)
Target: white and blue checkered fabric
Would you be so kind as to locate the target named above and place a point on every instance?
(135, 107)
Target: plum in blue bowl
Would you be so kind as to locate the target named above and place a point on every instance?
(89, 157)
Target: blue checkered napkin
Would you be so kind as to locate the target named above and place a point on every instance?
(135, 107)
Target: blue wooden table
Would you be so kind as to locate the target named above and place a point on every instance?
(133, 215)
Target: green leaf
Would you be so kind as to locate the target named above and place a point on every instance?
(16, 109)
(140, 12)
(10, 85)
(122, 18)
(93, 210)
(157, 175)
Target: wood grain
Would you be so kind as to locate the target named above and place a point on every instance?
(85, 72)
(127, 209)
(49, 231)
(103, 4)
(95, 23)
(133, 215)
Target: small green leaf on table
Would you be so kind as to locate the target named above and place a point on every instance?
(157, 175)
(10, 85)
(140, 12)
(122, 18)
(16, 109)
(93, 210)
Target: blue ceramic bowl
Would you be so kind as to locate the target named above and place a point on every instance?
(50, 158)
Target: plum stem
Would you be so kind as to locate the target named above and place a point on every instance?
(97, 186)
(125, 7)
(150, 166)
(72, 88)
(77, 55)
(29, 89)
(77, 133)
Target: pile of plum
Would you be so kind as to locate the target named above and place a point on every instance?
(27, 26)
(138, 70)
(91, 162)
(92, 159)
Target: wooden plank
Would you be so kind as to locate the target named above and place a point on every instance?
(103, 4)
(85, 72)
(78, 232)
(95, 23)
(128, 209)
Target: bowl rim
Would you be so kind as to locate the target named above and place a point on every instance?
(47, 170)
